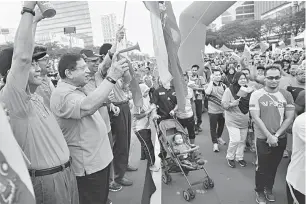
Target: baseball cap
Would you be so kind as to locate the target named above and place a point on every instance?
(6, 56)
(105, 48)
(89, 54)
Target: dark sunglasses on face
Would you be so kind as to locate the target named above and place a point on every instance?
(271, 78)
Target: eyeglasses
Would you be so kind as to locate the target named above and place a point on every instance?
(271, 78)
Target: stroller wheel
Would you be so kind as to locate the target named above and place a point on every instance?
(211, 183)
(186, 195)
(206, 184)
(192, 193)
(166, 178)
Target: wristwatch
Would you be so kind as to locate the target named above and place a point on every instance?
(110, 54)
(111, 80)
(27, 10)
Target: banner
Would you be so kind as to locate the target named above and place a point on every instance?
(263, 46)
(15, 183)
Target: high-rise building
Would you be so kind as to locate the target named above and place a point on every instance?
(109, 27)
(241, 10)
(262, 7)
(69, 14)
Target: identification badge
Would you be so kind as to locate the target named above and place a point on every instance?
(161, 93)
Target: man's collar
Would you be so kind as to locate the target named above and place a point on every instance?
(217, 84)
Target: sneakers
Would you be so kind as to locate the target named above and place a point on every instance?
(216, 147)
(286, 154)
(124, 182)
(221, 141)
(114, 187)
(154, 168)
(260, 198)
(109, 201)
(242, 163)
(131, 168)
(269, 195)
(231, 163)
(200, 129)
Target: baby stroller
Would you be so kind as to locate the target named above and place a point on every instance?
(172, 163)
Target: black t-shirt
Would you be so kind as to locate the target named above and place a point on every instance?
(294, 91)
(165, 100)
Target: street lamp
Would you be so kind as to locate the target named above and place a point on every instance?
(70, 31)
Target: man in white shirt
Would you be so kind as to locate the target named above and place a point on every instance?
(296, 170)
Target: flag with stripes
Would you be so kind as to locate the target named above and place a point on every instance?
(15, 183)
(165, 23)
(263, 46)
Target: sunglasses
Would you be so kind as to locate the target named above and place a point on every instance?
(271, 78)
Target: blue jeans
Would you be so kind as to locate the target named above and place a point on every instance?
(56, 188)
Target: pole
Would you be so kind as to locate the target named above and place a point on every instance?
(70, 41)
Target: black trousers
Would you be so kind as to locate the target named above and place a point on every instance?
(298, 195)
(199, 109)
(189, 124)
(94, 188)
(121, 131)
(216, 122)
(268, 159)
(144, 137)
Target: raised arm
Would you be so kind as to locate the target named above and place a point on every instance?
(23, 48)
(95, 99)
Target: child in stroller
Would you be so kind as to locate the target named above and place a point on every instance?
(182, 150)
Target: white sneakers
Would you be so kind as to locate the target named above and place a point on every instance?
(154, 168)
(216, 147)
(221, 141)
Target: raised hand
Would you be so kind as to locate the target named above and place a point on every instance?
(118, 67)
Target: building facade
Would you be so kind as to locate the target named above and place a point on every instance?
(109, 27)
(261, 7)
(68, 14)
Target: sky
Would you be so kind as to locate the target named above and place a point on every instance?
(137, 19)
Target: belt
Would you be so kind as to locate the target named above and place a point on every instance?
(49, 171)
(120, 103)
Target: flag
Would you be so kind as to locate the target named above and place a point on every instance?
(263, 46)
(172, 40)
(159, 44)
(281, 44)
(247, 52)
(15, 183)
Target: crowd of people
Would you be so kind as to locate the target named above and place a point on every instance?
(68, 129)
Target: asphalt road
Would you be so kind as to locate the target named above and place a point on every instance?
(232, 186)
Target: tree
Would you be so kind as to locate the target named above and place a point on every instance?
(231, 32)
(251, 30)
(297, 22)
(268, 28)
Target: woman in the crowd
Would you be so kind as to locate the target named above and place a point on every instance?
(231, 73)
(142, 128)
(236, 119)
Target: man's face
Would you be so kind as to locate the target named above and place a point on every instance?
(34, 75)
(300, 75)
(93, 64)
(296, 56)
(147, 70)
(194, 70)
(45, 65)
(272, 78)
(238, 69)
(247, 74)
(286, 65)
(80, 76)
(293, 70)
(217, 76)
(260, 72)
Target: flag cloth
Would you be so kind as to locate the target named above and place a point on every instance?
(159, 45)
(281, 44)
(172, 40)
(15, 183)
(247, 52)
(263, 46)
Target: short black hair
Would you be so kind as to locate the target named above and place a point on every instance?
(246, 70)
(261, 67)
(68, 61)
(271, 67)
(195, 65)
(216, 70)
(148, 68)
(280, 63)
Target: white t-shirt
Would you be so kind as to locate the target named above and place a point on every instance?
(296, 169)
(143, 123)
(188, 107)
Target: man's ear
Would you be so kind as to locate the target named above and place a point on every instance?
(68, 74)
